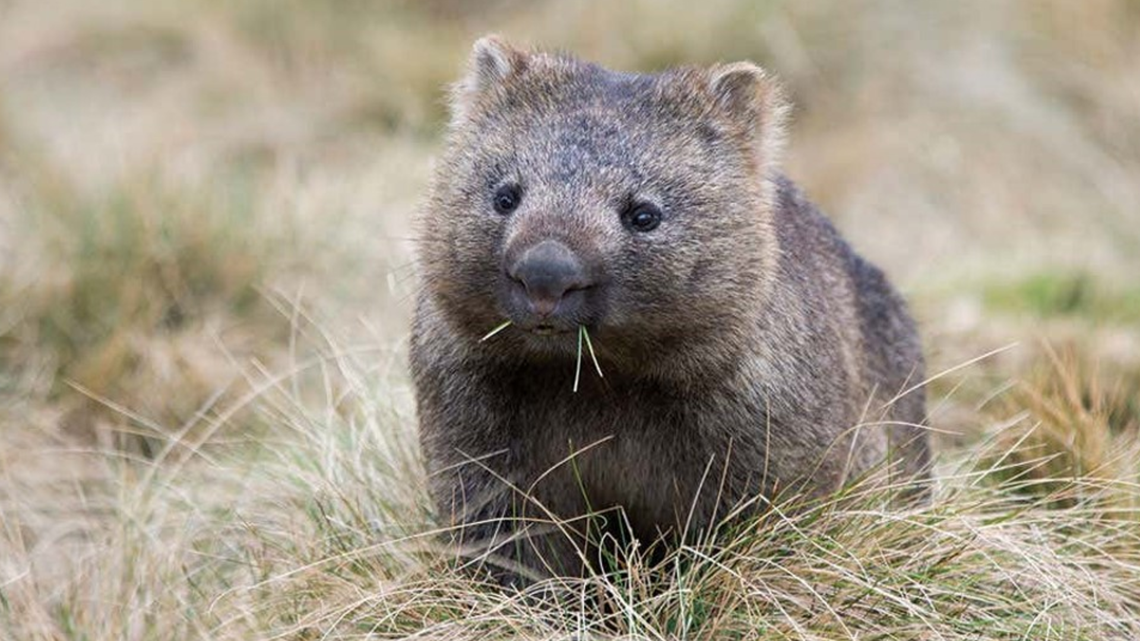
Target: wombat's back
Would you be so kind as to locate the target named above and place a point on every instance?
(851, 298)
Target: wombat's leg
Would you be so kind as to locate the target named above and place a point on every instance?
(507, 534)
(537, 550)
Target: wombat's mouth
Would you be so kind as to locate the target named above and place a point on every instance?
(546, 327)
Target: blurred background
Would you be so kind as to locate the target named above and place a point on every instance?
(188, 187)
(205, 266)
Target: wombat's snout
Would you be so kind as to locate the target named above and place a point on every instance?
(549, 273)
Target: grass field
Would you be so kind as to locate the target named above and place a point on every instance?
(206, 426)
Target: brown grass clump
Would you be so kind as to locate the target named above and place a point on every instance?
(1075, 427)
(127, 302)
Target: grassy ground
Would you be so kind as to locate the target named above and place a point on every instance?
(205, 423)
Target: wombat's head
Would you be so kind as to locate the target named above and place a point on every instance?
(636, 205)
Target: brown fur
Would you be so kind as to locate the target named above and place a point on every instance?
(746, 348)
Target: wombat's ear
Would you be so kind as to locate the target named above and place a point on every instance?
(750, 97)
(492, 61)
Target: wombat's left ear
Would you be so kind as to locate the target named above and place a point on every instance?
(749, 96)
(491, 63)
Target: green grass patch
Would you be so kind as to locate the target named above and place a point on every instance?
(1065, 294)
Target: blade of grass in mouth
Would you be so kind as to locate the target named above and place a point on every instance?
(578, 367)
(593, 356)
(498, 329)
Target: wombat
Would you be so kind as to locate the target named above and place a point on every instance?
(742, 348)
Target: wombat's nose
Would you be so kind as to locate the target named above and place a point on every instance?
(547, 271)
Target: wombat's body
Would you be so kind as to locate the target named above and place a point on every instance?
(746, 348)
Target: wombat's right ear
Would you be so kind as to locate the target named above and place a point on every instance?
(492, 62)
(748, 95)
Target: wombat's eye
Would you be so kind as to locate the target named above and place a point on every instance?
(642, 217)
(507, 198)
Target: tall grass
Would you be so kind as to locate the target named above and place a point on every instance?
(1072, 421)
(326, 532)
(126, 296)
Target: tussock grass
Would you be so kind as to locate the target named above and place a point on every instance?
(327, 532)
(124, 296)
(1071, 421)
(128, 308)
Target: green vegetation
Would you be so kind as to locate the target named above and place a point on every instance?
(205, 277)
(1049, 295)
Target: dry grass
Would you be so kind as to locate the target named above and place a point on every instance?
(326, 532)
(194, 197)
(1071, 421)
